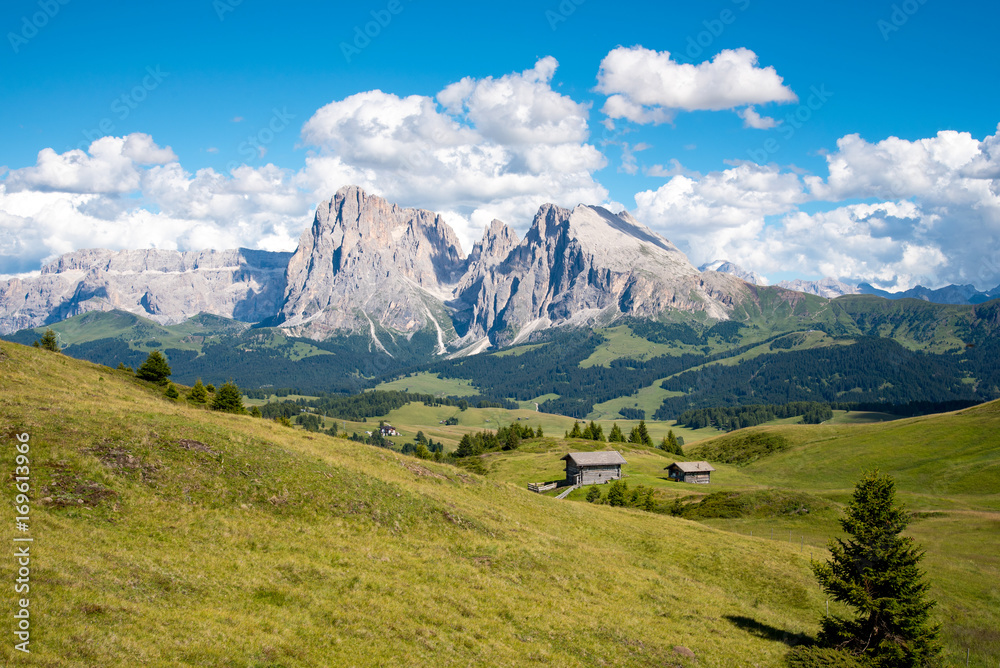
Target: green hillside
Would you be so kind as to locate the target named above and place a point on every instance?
(947, 470)
(170, 535)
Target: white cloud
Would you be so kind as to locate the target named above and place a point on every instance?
(712, 216)
(109, 166)
(647, 86)
(751, 119)
(127, 192)
(482, 148)
(935, 218)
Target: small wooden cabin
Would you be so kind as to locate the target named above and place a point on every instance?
(696, 472)
(593, 468)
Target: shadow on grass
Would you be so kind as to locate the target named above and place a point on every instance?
(768, 632)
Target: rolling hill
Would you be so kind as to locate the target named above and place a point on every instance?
(173, 535)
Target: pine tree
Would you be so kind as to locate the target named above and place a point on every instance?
(635, 436)
(875, 571)
(255, 412)
(210, 388)
(155, 369)
(229, 399)
(198, 393)
(593, 494)
(538, 432)
(617, 493)
(465, 447)
(616, 435)
(576, 433)
(644, 434)
(172, 392)
(50, 342)
(671, 444)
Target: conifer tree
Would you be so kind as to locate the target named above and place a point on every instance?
(617, 493)
(255, 412)
(198, 393)
(875, 571)
(50, 342)
(155, 369)
(172, 392)
(538, 432)
(465, 447)
(593, 494)
(576, 433)
(229, 399)
(616, 435)
(644, 434)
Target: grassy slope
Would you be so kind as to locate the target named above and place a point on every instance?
(947, 469)
(270, 546)
(431, 383)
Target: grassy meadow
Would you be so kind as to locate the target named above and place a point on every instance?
(947, 471)
(166, 534)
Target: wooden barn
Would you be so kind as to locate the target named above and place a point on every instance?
(593, 468)
(696, 472)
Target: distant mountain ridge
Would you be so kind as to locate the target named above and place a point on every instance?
(388, 273)
(366, 266)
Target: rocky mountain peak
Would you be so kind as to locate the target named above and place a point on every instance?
(497, 243)
(363, 256)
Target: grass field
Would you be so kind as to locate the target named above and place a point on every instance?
(947, 470)
(432, 383)
(172, 535)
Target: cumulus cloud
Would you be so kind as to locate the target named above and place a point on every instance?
(712, 216)
(110, 166)
(128, 192)
(933, 218)
(751, 119)
(481, 148)
(646, 86)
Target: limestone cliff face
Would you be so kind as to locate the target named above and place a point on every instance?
(367, 266)
(584, 266)
(165, 286)
(366, 261)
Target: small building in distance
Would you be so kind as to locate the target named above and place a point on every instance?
(388, 430)
(593, 468)
(696, 472)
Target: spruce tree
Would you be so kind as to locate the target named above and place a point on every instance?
(50, 342)
(155, 369)
(229, 399)
(644, 434)
(465, 447)
(198, 393)
(616, 435)
(875, 571)
(538, 432)
(172, 392)
(593, 494)
(576, 433)
(617, 493)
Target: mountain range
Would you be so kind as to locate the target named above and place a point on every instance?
(831, 288)
(368, 266)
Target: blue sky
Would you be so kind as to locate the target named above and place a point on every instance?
(226, 84)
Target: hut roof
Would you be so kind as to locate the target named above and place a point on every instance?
(693, 467)
(605, 458)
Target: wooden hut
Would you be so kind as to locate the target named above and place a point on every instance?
(593, 468)
(696, 472)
